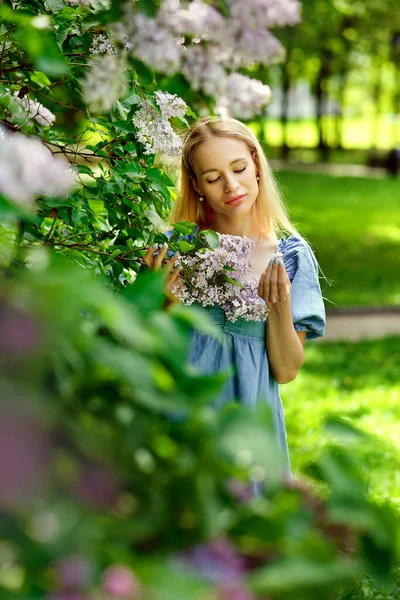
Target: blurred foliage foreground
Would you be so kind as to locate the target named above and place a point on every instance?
(118, 480)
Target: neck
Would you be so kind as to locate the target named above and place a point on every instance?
(243, 227)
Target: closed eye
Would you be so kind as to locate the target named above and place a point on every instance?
(239, 171)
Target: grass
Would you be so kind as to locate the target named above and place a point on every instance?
(358, 381)
(353, 226)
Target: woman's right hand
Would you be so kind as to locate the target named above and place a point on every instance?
(157, 262)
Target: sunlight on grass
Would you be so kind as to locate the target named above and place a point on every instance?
(352, 225)
(357, 132)
(355, 381)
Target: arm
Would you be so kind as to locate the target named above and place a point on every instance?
(285, 346)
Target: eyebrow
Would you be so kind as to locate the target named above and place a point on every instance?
(231, 163)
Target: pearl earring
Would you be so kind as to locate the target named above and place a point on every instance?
(258, 178)
(201, 198)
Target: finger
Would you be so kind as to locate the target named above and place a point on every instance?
(261, 285)
(148, 258)
(273, 283)
(174, 275)
(171, 263)
(284, 284)
(160, 256)
(266, 283)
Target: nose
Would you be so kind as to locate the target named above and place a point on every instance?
(231, 184)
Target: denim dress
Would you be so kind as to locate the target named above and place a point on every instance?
(242, 343)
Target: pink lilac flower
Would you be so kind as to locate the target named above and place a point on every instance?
(121, 582)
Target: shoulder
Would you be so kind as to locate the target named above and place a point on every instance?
(297, 255)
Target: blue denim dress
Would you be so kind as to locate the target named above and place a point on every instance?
(242, 343)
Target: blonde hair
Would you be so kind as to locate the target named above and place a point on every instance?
(270, 210)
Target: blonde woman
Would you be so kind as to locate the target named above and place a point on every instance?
(226, 185)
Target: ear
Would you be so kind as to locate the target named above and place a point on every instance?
(195, 185)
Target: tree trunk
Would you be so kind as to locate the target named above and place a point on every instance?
(320, 108)
(285, 108)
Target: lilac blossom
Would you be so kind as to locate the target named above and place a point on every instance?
(120, 582)
(105, 82)
(203, 279)
(203, 71)
(155, 131)
(102, 45)
(156, 45)
(264, 13)
(74, 572)
(196, 19)
(244, 97)
(28, 169)
(26, 109)
(217, 561)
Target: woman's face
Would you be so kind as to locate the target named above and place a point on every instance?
(224, 170)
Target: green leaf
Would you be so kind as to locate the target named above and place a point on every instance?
(43, 50)
(55, 5)
(184, 227)
(113, 255)
(147, 292)
(184, 246)
(126, 126)
(131, 100)
(230, 280)
(211, 238)
(305, 575)
(158, 175)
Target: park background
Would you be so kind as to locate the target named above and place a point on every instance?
(331, 131)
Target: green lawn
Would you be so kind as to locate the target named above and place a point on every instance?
(355, 381)
(353, 225)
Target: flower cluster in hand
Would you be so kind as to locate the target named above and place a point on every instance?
(218, 276)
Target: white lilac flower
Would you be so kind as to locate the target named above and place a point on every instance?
(156, 45)
(102, 45)
(203, 281)
(195, 19)
(155, 133)
(27, 109)
(28, 169)
(170, 104)
(105, 82)
(86, 3)
(264, 13)
(253, 45)
(244, 97)
(202, 71)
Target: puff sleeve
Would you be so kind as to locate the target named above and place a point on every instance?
(308, 311)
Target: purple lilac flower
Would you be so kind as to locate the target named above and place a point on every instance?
(217, 561)
(74, 572)
(202, 279)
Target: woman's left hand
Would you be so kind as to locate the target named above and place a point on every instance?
(274, 285)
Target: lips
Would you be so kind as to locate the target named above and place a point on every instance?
(234, 199)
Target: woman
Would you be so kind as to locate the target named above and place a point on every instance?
(226, 185)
